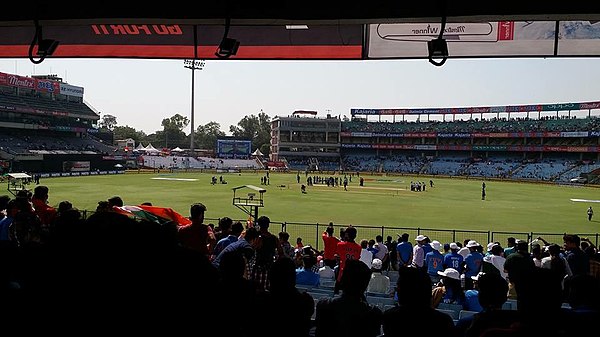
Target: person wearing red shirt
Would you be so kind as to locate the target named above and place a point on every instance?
(347, 250)
(197, 236)
(330, 246)
(45, 212)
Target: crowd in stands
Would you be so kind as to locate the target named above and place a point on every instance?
(521, 124)
(112, 272)
(508, 167)
(46, 142)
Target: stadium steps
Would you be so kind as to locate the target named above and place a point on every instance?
(558, 176)
(516, 170)
(6, 156)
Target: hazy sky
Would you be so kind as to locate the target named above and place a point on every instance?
(140, 93)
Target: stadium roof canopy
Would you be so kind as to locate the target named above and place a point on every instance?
(301, 30)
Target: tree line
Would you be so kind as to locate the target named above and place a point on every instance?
(253, 127)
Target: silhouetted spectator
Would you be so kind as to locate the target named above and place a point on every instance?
(349, 314)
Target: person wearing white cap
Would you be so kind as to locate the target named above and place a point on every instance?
(434, 261)
(379, 283)
(472, 263)
(488, 250)
(449, 290)
(453, 259)
(494, 263)
(418, 253)
(464, 250)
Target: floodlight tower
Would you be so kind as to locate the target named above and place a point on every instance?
(193, 65)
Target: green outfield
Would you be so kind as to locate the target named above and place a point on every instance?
(382, 201)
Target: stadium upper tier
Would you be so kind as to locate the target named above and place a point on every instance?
(45, 106)
(488, 125)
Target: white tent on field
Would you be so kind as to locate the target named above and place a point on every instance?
(151, 149)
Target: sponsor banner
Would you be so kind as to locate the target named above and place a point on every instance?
(425, 147)
(364, 146)
(481, 110)
(17, 81)
(76, 166)
(70, 90)
(346, 134)
(486, 39)
(594, 133)
(365, 111)
(554, 148)
(276, 164)
(460, 147)
(521, 148)
(387, 134)
(590, 105)
(29, 83)
(233, 148)
(489, 148)
(174, 41)
(421, 135)
(499, 135)
(574, 134)
(84, 173)
(361, 134)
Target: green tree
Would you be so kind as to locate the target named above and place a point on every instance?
(124, 132)
(206, 135)
(108, 122)
(176, 121)
(172, 134)
(255, 128)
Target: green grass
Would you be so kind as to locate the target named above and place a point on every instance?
(383, 201)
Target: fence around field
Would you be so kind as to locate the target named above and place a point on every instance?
(311, 233)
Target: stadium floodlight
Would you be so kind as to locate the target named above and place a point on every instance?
(193, 65)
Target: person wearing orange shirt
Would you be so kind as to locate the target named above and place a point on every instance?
(45, 212)
(197, 236)
(347, 250)
(330, 246)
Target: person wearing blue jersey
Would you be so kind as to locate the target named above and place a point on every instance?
(473, 263)
(453, 259)
(434, 262)
(404, 251)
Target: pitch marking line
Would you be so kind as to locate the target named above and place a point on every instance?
(177, 179)
(584, 200)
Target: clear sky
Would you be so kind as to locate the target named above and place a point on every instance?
(140, 93)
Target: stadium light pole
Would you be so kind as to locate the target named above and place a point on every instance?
(193, 65)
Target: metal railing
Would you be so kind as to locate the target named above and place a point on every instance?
(311, 233)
